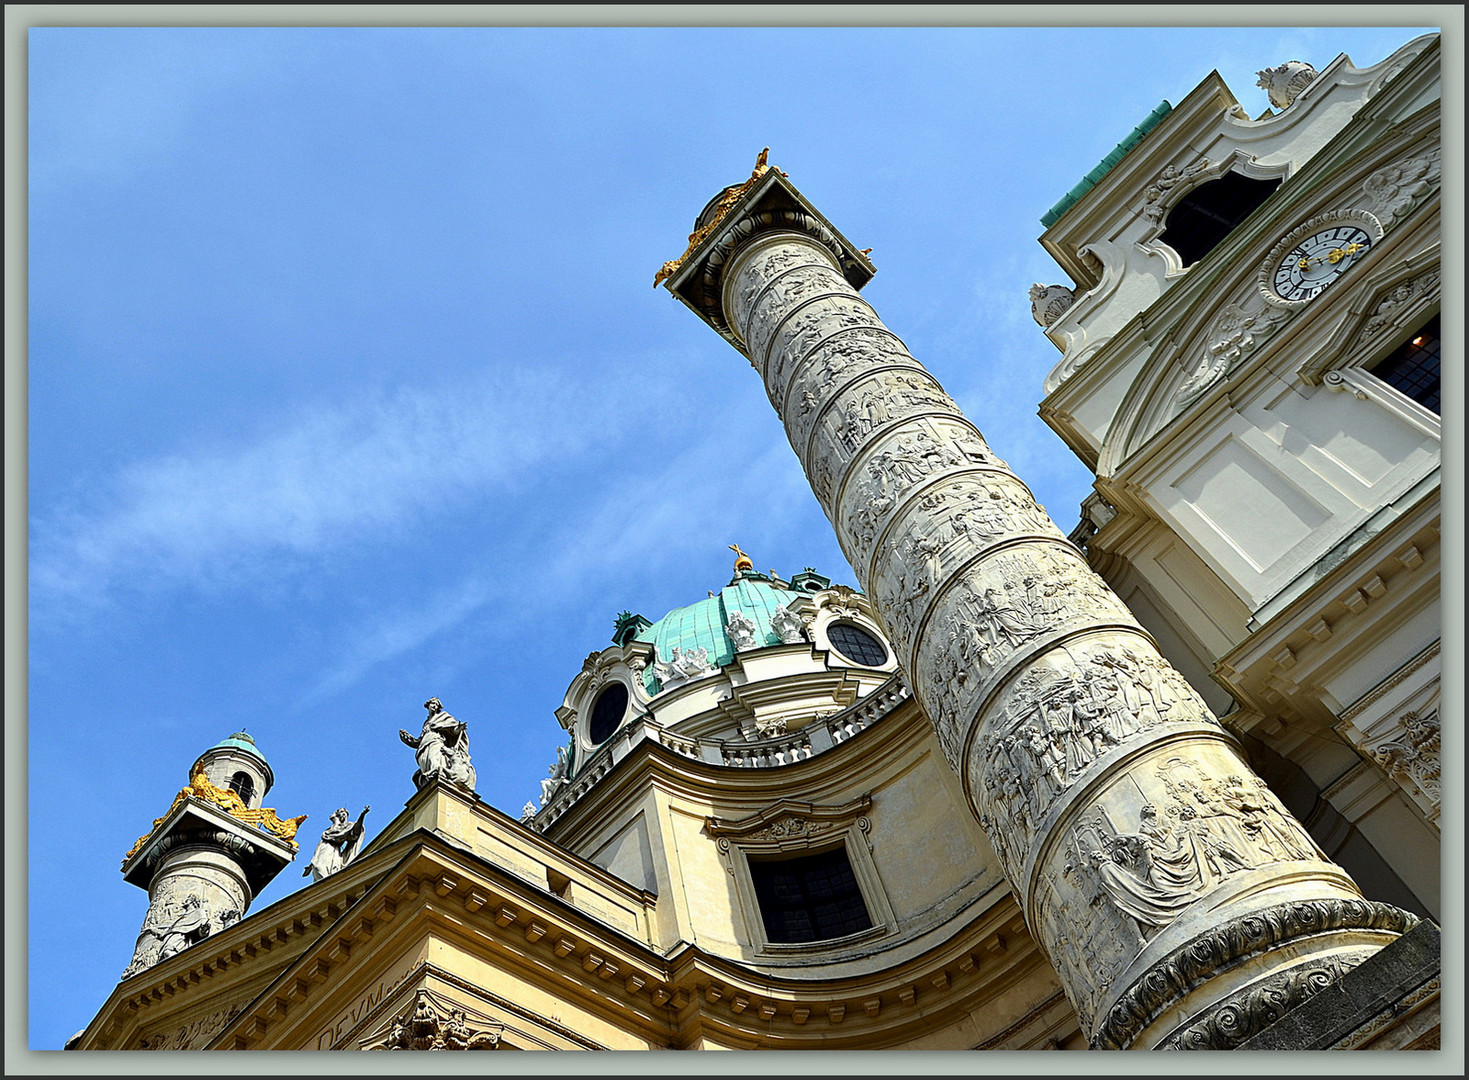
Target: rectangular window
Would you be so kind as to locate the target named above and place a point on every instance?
(1414, 368)
(810, 897)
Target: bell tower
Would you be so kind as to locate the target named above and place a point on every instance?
(209, 856)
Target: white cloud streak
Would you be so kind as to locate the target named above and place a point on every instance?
(322, 480)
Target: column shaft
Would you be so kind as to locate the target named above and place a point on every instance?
(1156, 870)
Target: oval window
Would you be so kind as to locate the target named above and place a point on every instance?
(856, 644)
(607, 714)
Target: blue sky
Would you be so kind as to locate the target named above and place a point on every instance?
(348, 385)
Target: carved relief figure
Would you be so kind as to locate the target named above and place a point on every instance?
(1395, 188)
(428, 1027)
(1412, 753)
(1155, 195)
(442, 748)
(340, 842)
(171, 926)
(681, 666)
(1235, 333)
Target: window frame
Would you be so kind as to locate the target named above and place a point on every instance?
(790, 828)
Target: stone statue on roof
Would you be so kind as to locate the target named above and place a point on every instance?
(442, 749)
(787, 625)
(340, 842)
(557, 777)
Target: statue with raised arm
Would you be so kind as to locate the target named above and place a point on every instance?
(557, 777)
(339, 845)
(442, 749)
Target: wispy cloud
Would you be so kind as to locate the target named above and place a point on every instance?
(318, 481)
(639, 522)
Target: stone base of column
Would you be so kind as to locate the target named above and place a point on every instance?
(1237, 979)
(1389, 1002)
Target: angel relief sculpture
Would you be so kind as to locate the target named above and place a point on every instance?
(441, 749)
(681, 666)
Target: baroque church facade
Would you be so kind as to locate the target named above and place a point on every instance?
(1169, 782)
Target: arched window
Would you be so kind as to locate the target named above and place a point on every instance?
(608, 712)
(1209, 213)
(243, 786)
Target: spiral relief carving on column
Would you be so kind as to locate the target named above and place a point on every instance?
(1124, 816)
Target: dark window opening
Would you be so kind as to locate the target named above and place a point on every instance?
(1209, 213)
(856, 644)
(809, 898)
(607, 714)
(1414, 368)
(243, 786)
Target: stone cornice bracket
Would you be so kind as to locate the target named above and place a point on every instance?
(767, 203)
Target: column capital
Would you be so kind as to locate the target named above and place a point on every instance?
(766, 202)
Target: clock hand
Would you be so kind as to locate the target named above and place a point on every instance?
(1334, 256)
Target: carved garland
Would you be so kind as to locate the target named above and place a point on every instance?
(1244, 1015)
(1230, 944)
(200, 787)
(789, 820)
(430, 1025)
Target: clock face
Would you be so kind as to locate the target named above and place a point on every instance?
(1318, 260)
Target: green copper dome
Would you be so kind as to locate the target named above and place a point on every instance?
(701, 625)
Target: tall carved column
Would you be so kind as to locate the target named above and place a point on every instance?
(1178, 900)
